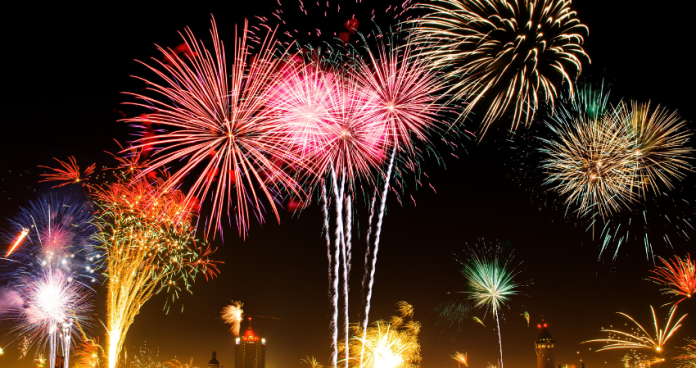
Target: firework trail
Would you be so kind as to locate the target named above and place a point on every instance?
(677, 276)
(641, 338)
(461, 358)
(20, 237)
(219, 123)
(232, 315)
(526, 317)
(147, 233)
(478, 320)
(513, 53)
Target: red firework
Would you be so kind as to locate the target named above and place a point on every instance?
(215, 122)
(70, 173)
(678, 276)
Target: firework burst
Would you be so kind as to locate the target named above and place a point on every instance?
(677, 276)
(217, 122)
(641, 338)
(509, 55)
(69, 173)
(591, 161)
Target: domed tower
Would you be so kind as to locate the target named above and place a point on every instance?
(213, 363)
(544, 347)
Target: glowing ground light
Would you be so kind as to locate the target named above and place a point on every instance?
(21, 237)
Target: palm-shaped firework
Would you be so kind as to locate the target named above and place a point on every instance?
(640, 338)
(678, 276)
(490, 277)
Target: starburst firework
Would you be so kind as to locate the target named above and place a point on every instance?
(510, 55)
(232, 315)
(217, 123)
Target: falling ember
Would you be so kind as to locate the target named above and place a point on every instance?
(232, 315)
(21, 237)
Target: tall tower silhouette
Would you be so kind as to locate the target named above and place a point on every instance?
(250, 350)
(544, 347)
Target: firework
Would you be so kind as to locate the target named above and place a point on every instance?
(177, 364)
(678, 276)
(232, 315)
(52, 302)
(490, 280)
(478, 320)
(147, 234)
(526, 317)
(687, 359)
(70, 173)
(312, 362)
(218, 123)
(388, 344)
(641, 338)
(57, 233)
(591, 161)
(146, 358)
(660, 139)
(461, 358)
(404, 96)
(510, 56)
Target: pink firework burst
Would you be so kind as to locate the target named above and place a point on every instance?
(215, 122)
(403, 92)
(329, 121)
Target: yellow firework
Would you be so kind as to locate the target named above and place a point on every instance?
(387, 344)
(313, 362)
(591, 161)
(660, 137)
(640, 338)
(509, 55)
(147, 235)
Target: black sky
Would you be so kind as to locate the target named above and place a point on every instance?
(66, 65)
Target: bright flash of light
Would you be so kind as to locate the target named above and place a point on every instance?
(147, 234)
(641, 338)
(677, 276)
(461, 358)
(387, 344)
(232, 315)
(20, 237)
(510, 56)
(216, 124)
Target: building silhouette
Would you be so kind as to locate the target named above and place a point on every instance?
(250, 350)
(213, 363)
(544, 347)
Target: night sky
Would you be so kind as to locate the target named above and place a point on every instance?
(65, 69)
